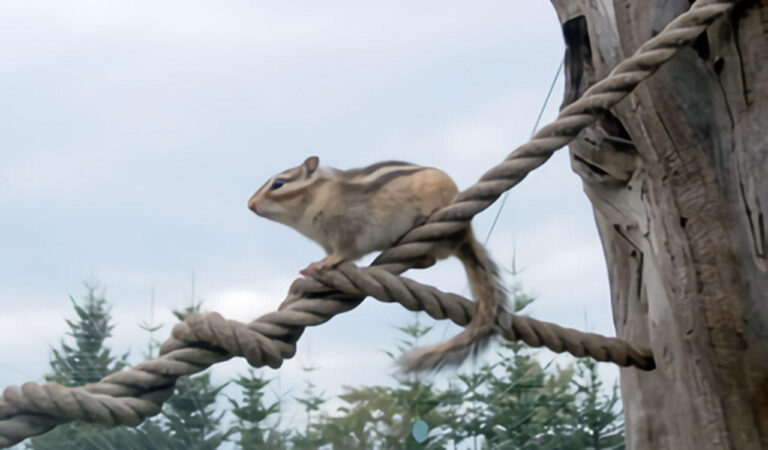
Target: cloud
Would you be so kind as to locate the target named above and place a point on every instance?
(244, 304)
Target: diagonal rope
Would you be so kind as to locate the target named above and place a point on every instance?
(129, 396)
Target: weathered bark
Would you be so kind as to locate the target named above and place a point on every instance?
(678, 175)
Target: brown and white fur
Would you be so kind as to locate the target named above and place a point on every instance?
(355, 212)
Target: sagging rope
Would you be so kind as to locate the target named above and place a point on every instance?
(127, 397)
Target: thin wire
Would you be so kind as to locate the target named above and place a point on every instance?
(535, 127)
(506, 194)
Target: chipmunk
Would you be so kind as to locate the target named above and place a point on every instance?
(351, 213)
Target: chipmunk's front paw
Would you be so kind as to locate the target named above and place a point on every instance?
(315, 267)
(326, 263)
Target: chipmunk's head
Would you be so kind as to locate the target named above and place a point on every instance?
(285, 196)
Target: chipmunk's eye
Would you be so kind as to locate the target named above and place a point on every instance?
(278, 183)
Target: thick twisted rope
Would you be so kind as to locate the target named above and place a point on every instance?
(387, 287)
(129, 396)
(111, 401)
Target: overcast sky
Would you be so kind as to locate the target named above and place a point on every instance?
(132, 134)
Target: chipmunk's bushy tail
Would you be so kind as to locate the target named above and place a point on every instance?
(490, 297)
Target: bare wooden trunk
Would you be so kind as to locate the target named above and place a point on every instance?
(678, 175)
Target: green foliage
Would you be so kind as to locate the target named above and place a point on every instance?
(88, 360)
(84, 361)
(77, 436)
(524, 403)
(252, 415)
(597, 423)
(190, 416)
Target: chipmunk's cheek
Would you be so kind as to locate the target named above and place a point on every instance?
(272, 212)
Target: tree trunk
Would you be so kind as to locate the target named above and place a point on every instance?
(678, 175)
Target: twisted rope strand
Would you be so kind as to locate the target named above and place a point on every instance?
(572, 120)
(129, 396)
(387, 287)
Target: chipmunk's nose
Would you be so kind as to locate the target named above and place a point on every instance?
(253, 205)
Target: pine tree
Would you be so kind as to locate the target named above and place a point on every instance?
(85, 360)
(527, 402)
(253, 414)
(598, 422)
(191, 418)
(88, 360)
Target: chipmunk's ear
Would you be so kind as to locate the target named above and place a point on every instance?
(310, 164)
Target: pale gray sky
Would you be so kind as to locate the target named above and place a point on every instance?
(132, 134)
